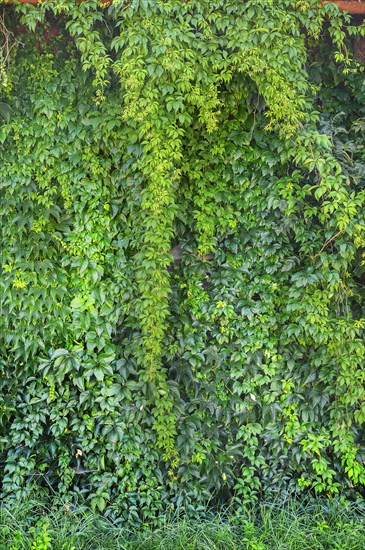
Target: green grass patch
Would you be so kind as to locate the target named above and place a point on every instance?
(293, 526)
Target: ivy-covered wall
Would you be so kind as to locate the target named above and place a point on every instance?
(182, 234)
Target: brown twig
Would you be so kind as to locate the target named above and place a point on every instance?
(328, 242)
(8, 42)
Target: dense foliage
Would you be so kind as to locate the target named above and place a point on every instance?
(182, 226)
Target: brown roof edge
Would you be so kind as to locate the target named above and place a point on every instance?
(354, 6)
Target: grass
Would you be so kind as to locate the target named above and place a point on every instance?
(293, 526)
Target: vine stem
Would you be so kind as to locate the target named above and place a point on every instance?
(328, 242)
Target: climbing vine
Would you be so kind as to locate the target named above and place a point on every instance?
(182, 245)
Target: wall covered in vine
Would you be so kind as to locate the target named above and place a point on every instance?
(182, 236)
